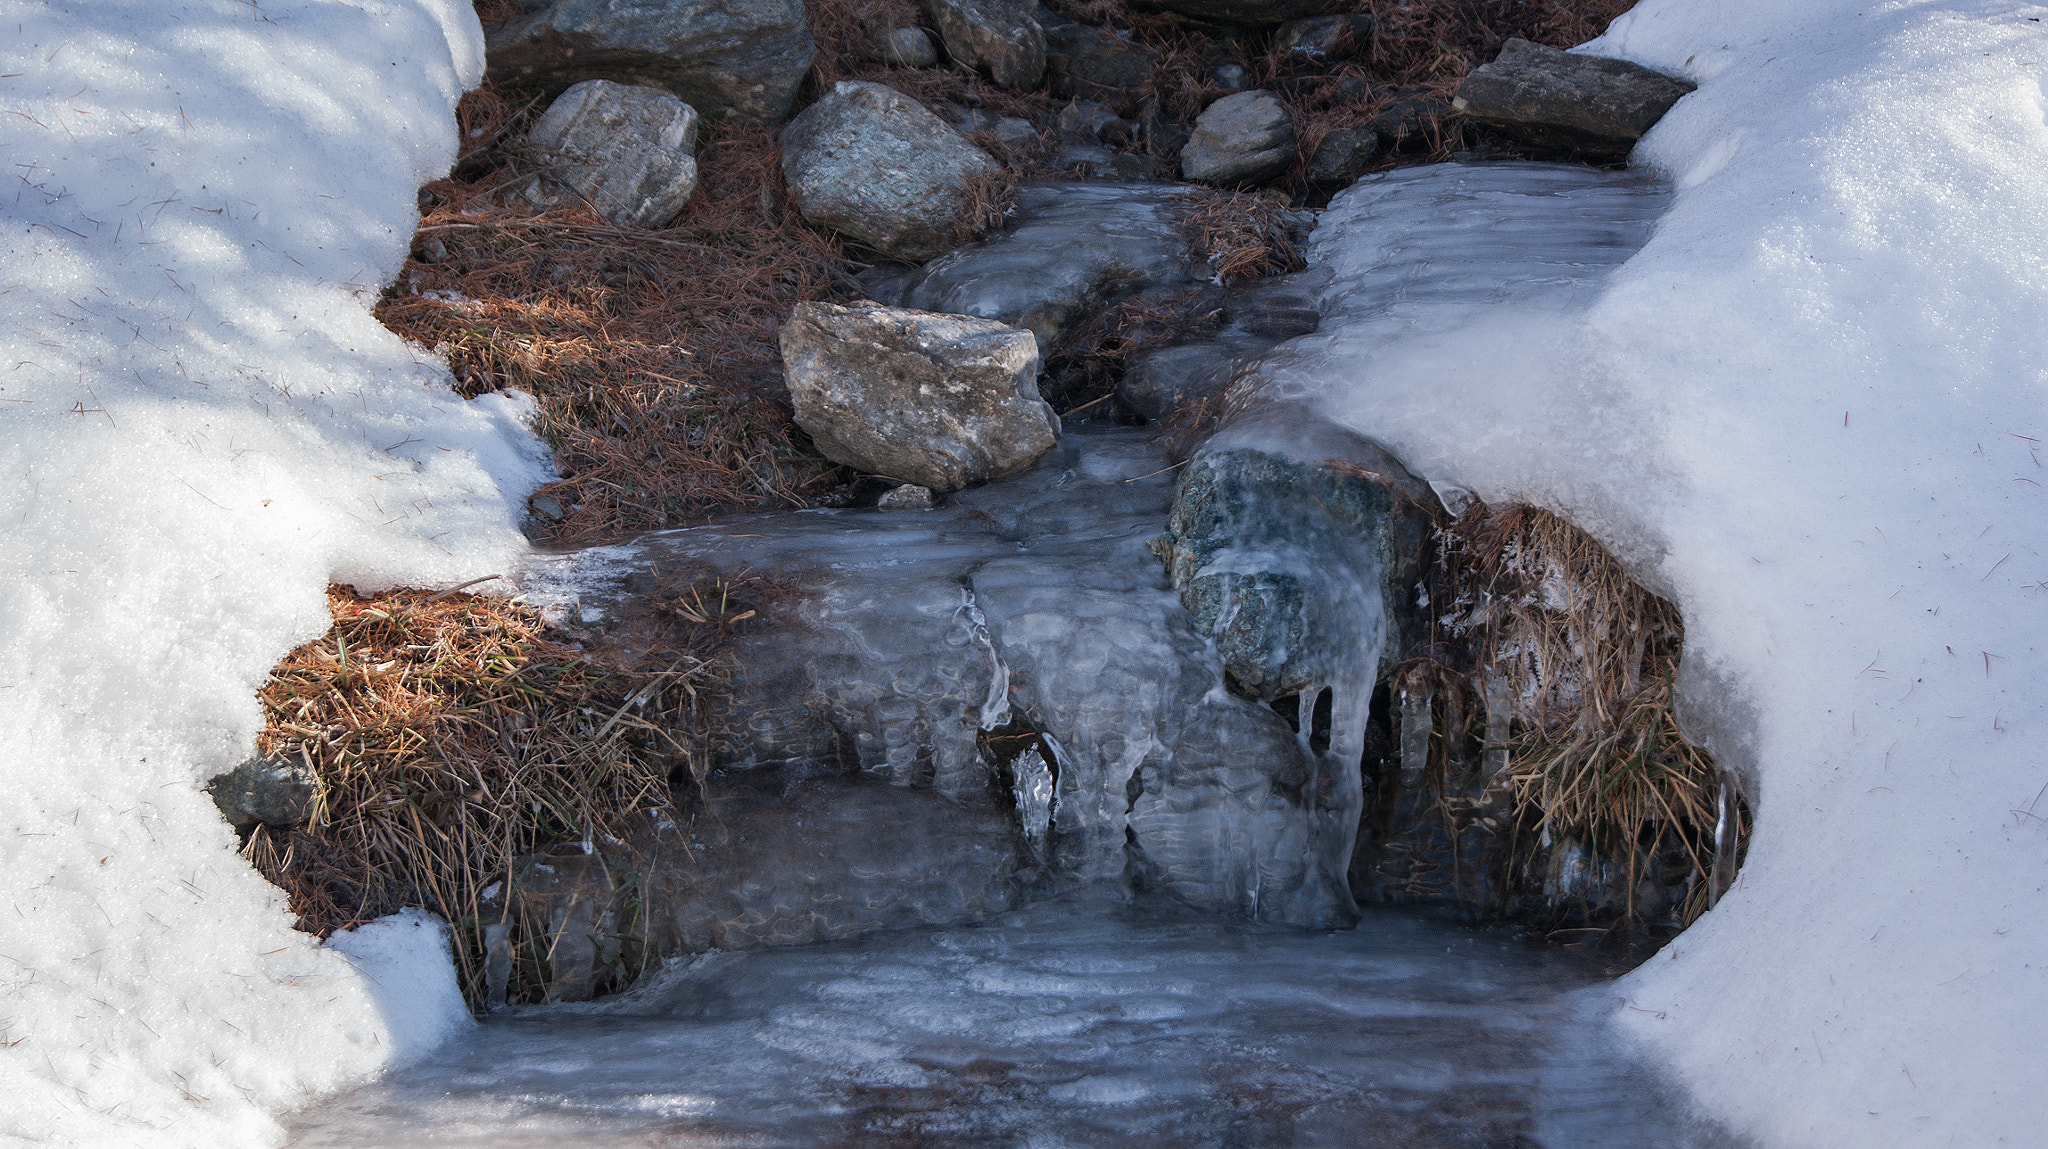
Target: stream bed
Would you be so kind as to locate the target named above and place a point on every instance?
(1084, 1021)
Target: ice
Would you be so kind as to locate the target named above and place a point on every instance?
(1070, 1023)
(201, 425)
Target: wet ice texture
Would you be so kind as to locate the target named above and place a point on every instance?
(1035, 602)
(1054, 1026)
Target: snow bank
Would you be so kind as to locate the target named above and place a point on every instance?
(1812, 407)
(201, 424)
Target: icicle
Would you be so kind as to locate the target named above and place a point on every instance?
(1031, 783)
(1499, 710)
(995, 709)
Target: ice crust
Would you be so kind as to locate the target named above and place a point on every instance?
(1811, 409)
(1058, 1025)
(201, 425)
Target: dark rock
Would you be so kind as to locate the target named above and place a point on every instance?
(1008, 131)
(875, 165)
(629, 152)
(1343, 156)
(1416, 122)
(1243, 139)
(937, 400)
(1257, 13)
(743, 58)
(1567, 105)
(1283, 529)
(1255, 315)
(1337, 37)
(266, 791)
(1231, 77)
(1000, 37)
(1086, 121)
(1096, 64)
(909, 48)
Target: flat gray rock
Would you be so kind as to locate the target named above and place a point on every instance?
(1243, 139)
(1000, 37)
(909, 48)
(627, 151)
(1567, 105)
(941, 401)
(741, 58)
(875, 165)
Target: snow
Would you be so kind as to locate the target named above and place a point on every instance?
(1811, 408)
(201, 425)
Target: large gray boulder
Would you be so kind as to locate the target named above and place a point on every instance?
(627, 151)
(1566, 105)
(1243, 139)
(1000, 37)
(742, 58)
(873, 164)
(937, 400)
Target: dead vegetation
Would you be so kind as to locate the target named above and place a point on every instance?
(453, 743)
(1555, 669)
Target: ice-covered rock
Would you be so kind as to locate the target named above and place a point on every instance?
(1000, 37)
(1247, 138)
(941, 401)
(1571, 105)
(627, 151)
(741, 58)
(875, 165)
(1072, 246)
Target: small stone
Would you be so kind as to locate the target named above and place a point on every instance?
(432, 251)
(908, 497)
(940, 401)
(1567, 105)
(546, 507)
(1000, 37)
(1411, 123)
(909, 48)
(1326, 37)
(269, 791)
(1243, 139)
(877, 166)
(629, 152)
(1343, 156)
(1232, 77)
(1009, 131)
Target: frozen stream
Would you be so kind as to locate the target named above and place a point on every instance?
(1093, 1017)
(1060, 1024)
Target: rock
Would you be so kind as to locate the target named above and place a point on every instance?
(1232, 78)
(267, 791)
(1096, 64)
(629, 152)
(1000, 37)
(1243, 139)
(909, 48)
(743, 58)
(1410, 123)
(1256, 314)
(1579, 107)
(908, 497)
(875, 165)
(941, 401)
(1008, 131)
(1085, 121)
(1257, 13)
(1337, 37)
(1343, 156)
(1072, 246)
(1290, 540)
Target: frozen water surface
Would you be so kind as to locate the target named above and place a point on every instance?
(1069, 1023)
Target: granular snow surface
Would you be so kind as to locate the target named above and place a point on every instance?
(201, 425)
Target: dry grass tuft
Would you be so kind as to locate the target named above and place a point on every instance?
(453, 743)
(1083, 367)
(1585, 659)
(1244, 235)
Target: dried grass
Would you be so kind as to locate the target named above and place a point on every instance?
(453, 743)
(1588, 658)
